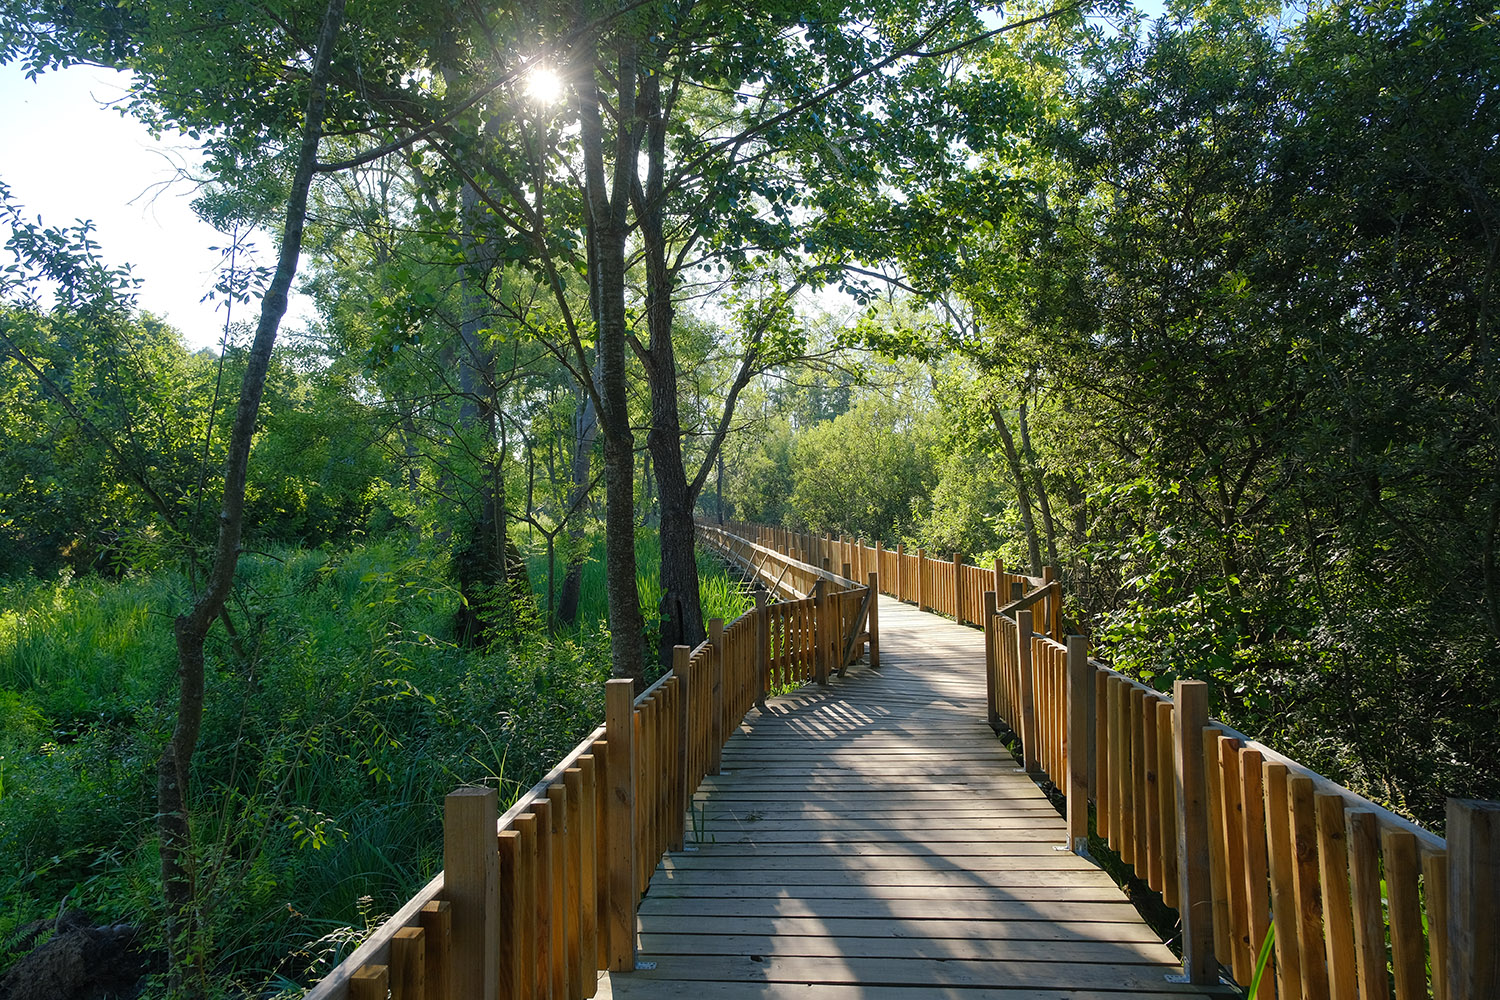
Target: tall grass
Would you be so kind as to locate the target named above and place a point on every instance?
(717, 590)
(337, 718)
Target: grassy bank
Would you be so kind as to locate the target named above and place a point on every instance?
(339, 714)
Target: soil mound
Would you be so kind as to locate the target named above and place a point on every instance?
(78, 962)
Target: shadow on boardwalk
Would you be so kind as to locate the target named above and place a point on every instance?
(875, 840)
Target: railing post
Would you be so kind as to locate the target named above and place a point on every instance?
(619, 733)
(1473, 899)
(999, 571)
(1080, 695)
(716, 697)
(1028, 693)
(874, 622)
(901, 581)
(1189, 719)
(681, 657)
(471, 884)
(991, 699)
(821, 631)
(762, 649)
(958, 588)
(879, 556)
(921, 579)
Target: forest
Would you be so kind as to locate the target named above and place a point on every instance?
(1197, 308)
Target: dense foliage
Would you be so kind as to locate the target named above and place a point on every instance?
(1219, 342)
(1198, 309)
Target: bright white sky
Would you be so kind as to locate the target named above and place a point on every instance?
(67, 157)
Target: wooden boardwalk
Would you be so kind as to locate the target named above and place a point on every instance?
(875, 840)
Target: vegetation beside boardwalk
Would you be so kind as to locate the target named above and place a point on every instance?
(340, 714)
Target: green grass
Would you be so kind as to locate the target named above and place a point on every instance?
(334, 726)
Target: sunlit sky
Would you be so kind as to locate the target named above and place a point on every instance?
(68, 156)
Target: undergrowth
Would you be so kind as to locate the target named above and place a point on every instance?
(339, 713)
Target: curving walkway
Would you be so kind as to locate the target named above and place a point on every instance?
(874, 840)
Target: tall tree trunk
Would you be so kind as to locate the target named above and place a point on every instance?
(186, 948)
(681, 607)
(1048, 531)
(1023, 492)
(606, 218)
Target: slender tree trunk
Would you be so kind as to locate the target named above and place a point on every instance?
(606, 218)
(1048, 530)
(187, 955)
(1023, 493)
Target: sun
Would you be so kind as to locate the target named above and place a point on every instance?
(543, 85)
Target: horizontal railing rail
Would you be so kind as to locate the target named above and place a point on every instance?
(534, 902)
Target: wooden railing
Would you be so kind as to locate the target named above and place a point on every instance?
(1360, 903)
(951, 587)
(1246, 843)
(531, 904)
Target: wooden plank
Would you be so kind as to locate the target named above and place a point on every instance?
(546, 957)
(1231, 795)
(914, 972)
(1138, 816)
(954, 927)
(409, 964)
(1309, 887)
(1338, 919)
(1167, 803)
(810, 946)
(1369, 918)
(1092, 891)
(574, 891)
(1257, 872)
(437, 925)
(1281, 860)
(1435, 895)
(1398, 849)
(510, 958)
(1218, 867)
(370, 982)
(529, 875)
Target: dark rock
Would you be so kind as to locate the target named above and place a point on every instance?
(79, 962)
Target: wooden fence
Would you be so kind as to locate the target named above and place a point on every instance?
(531, 904)
(1361, 904)
(951, 586)
(1245, 842)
